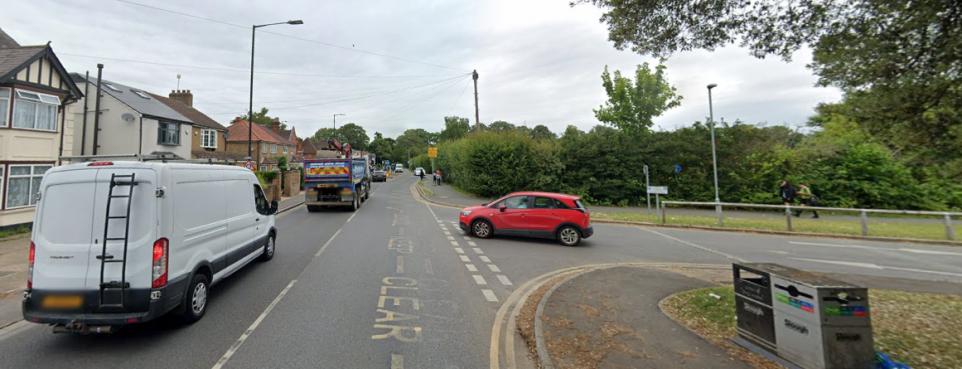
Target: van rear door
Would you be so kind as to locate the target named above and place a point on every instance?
(63, 232)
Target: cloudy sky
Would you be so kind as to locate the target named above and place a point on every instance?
(393, 65)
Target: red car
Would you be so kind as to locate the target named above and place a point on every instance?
(530, 214)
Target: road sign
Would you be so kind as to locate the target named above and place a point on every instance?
(249, 165)
(432, 152)
(658, 190)
(677, 168)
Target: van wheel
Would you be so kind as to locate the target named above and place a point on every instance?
(569, 236)
(269, 249)
(313, 208)
(195, 300)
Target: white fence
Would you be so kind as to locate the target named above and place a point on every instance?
(863, 214)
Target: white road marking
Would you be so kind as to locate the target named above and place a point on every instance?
(465, 258)
(477, 251)
(494, 268)
(504, 279)
(337, 232)
(484, 259)
(397, 361)
(466, 238)
(489, 295)
(240, 341)
(472, 244)
(446, 233)
(931, 252)
(779, 252)
(454, 243)
(471, 267)
(695, 245)
(903, 249)
(451, 238)
(479, 279)
(351, 217)
(399, 268)
(459, 250)
(833, 245)
(879, 267)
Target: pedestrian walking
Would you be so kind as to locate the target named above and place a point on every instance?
(807, 198)
(437, 177)
(787, 192)
(421, 174)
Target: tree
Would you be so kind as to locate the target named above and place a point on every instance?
(261, 117)
(501, 126)
(631, 106)
(353, 134)
(414, 142)
(454, 128)
(323, 134)
(383, 147)
(541, 132)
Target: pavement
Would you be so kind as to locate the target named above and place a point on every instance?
(610, 319)
(396, 284)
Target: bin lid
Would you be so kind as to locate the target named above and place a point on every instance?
(812, 279)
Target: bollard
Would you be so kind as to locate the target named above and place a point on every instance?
(949, 231)
(662, 209)
(721, 218)
(863, 217)
(788, 216)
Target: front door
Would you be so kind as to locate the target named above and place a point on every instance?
(514, 217)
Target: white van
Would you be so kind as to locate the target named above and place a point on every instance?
(124, 242)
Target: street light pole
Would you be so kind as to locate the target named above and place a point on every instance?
(335, 124)
(714, 156)
(647, 185)
(250, 101)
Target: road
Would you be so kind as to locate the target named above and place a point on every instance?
(397, 285)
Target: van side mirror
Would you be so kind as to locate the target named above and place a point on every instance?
(273, 207)
(502, 208)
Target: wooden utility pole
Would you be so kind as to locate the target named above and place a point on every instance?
(477, 119)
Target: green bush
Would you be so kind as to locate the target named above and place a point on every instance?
(494, 163)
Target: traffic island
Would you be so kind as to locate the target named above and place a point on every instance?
(610, 318)
(919, 329)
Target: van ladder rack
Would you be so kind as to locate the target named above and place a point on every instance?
(116, 180)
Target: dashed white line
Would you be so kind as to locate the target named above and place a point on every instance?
(454, 243)
(479, 279)
(319, 252)
(459, 250)
(484, 259)
(399, 268)
(472, 243)
(489, 295)
(471, 267)
(451, 238)
(494, 268)
(464, 258)
(504, 279)
(397, 361)
(466, 238)
(240, 341)
(477, 251)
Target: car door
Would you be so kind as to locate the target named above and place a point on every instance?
(542, 218)
(513, 219)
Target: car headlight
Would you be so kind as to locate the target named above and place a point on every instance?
(465, 213)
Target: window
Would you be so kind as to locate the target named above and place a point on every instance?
(140, 93)
(544, 203)
(112, 87)
(4, 105)
(168, 133)
(32, 110)
(208, 138)
(284, 148)
(24, 183)
(260, 201)
(517, 202)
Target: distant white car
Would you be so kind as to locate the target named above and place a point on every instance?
(418, 171)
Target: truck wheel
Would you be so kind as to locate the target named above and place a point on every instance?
(195, 299)
(356, 204)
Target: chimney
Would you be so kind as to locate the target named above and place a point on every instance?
(183, 96)
(276, 125)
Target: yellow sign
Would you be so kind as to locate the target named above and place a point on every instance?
(432, 152)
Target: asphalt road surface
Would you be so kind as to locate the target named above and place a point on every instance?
(398, 285)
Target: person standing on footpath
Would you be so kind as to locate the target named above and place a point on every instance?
(787, 192)
(807, 198)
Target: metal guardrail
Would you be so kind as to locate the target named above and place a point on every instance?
(863, 213)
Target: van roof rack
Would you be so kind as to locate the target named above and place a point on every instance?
(159, 156)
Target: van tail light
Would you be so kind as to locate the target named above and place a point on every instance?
(159, 264)
(31, 259)
(100, 164)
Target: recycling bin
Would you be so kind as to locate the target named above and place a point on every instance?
(818, 322)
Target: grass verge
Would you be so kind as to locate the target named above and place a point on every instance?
(877, 227)
(919, 329)
(14, 231)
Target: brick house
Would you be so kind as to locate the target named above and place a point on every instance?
(267, 145)
(208, 138)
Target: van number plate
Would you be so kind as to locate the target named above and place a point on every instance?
(326, 186)
(61, 302)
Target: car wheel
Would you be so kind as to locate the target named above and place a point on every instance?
(569, 236)
(269, 249)
(482, 229)
(195, 301)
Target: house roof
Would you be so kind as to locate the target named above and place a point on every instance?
(15, 58)
(308, 147)
(237, 132)
(129, 96)
(6, 40)
(188, 111)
